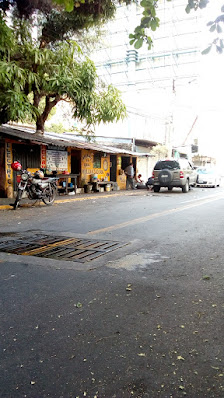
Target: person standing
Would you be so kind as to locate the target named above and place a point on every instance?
(130, 172)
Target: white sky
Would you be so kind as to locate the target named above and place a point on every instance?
(205, 99)
(211, 87)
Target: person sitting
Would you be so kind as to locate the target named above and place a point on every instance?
(139, 179)
(140, 182)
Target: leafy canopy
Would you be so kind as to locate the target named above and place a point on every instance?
(31, 72)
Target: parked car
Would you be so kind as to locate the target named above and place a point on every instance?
(174, 173)
(207, 177)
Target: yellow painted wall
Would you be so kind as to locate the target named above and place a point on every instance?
(87, 169)
(69, 160)
(121, 177)
(8, 169)
(31, 170)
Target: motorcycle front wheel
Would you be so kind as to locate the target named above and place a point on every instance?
(17, 200)
(49, 195)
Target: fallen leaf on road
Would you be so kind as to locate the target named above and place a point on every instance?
(141, 354)
(180, 358)
(128, 288)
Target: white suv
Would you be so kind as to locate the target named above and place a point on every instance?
(174, 173)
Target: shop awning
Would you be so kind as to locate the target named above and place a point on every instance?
(29, 135)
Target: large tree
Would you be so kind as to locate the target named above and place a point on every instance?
(37, 71)
(52, 67)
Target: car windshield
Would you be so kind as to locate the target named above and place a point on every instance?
(167, 164)
(205, 171)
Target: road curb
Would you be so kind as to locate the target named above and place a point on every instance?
(59, 201)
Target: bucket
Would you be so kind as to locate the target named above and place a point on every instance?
(107, 188)
(87, 188)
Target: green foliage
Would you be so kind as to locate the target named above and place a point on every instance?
(64, 25)
(33, 79)
(56, 128)
(109, 106)
(148, 21)
(195, 4)
(68, 4)
(214, 26)
(6, 39)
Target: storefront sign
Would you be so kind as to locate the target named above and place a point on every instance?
(93, 171)
(9, 172)
(43, 157)
(56, 148)
(57, 160)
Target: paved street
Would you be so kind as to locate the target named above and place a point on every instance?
(142, 318)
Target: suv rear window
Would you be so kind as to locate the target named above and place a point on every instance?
(167, 164)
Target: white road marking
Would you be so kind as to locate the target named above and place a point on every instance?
(155, 215)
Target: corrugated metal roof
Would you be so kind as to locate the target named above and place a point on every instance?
(24, 133)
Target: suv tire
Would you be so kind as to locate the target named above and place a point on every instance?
(165, 177)
(186, 187)
(156, 188)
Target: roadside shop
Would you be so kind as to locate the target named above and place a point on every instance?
(79, 165)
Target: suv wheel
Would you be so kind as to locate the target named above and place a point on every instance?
(156, 188)
(185, 188)
(165, 176)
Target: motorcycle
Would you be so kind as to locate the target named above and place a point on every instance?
(36, 186)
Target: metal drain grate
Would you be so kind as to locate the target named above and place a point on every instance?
(58, 247)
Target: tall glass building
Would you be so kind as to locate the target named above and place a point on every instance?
(157, 85)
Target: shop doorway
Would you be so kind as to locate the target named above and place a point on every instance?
(2, 171)
(134, 164)
(76, 163)
(125, 161)
(113, 168)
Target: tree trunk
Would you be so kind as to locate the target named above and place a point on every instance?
(40, 125)
(43, 117)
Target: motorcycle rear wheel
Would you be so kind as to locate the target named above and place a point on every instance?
(49, 195)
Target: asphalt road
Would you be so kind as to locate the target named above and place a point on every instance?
(143, 320)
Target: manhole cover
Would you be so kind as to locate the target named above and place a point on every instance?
(58, 247)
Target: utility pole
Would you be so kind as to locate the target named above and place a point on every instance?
(195, 120)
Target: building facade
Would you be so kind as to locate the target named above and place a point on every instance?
(58, 154)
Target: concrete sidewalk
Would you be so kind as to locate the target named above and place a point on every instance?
(5, 202)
